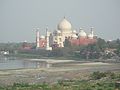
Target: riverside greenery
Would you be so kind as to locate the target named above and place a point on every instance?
(97, 81)
(92, 51)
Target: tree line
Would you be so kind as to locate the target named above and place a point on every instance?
(100, 49)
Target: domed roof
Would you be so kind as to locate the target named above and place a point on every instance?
(64, 25)
(57, 32)
(90, 36)
(42, 37)
(82, 33)
(74, 31)
(74, 36)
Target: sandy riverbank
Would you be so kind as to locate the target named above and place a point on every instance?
(51, 60)
(59, 71)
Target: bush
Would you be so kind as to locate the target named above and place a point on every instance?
(98, 75)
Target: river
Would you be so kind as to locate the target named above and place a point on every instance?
(19, 63)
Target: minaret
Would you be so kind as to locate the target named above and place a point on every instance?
(47, 40)
(37, 38)
(92, 33)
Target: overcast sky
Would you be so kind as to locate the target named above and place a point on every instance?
(19, 17)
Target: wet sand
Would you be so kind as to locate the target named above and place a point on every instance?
(51, 60)
(58, 70)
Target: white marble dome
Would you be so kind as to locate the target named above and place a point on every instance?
(74, 36)
(74, 31)
(82, 33)
(90, 36)
(64, 25)
(42, 37)
(58, 31)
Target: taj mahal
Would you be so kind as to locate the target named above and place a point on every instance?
(64, 32)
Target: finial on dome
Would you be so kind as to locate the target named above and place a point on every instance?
(80, 28)
(92, 28)
(64, 17)
(46, 28)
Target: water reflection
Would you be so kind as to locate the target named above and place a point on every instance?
(40, 64)
(15, 63)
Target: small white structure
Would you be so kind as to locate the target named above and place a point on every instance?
(4, 52)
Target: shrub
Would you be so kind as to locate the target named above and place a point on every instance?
(98, 75)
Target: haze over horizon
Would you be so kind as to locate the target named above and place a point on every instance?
(19, 17)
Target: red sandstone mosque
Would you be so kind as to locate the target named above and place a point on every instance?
(64, 31)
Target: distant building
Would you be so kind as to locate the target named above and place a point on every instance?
(26, 45)
(4, 52)
(64, 31)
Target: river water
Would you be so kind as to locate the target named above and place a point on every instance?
(17, 63)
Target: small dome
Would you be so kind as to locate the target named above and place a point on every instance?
(82, 33)
(74, 36)
(42, 37)
(64, 25)
(25, 41)
(57, 31)
(74, 31)
(90, 36)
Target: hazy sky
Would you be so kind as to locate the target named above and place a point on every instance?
(19, 17)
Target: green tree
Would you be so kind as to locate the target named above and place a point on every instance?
(67, 43)
(101, 44)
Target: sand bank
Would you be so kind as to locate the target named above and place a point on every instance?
(51, 60)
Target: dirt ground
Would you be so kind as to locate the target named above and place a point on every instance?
(57, 71)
